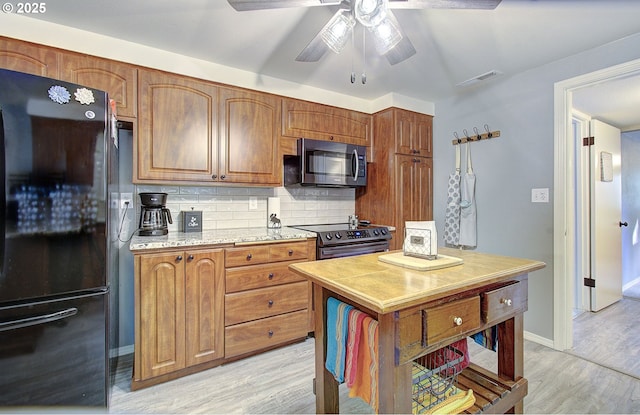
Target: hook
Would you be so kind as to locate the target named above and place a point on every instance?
(455, 134)
(466, 134)
(478, 136)
(486, 127)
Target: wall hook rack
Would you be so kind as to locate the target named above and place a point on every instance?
(477, 136)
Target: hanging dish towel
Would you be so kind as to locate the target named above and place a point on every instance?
(452, 214)
(468, 206)
(337, 324)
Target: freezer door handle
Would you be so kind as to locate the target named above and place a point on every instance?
(36, 320)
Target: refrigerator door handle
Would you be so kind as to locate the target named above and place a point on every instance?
(36, 320)
(3, 195)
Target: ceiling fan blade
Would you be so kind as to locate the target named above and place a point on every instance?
(246, 5)
(404, 49)
(444, 4)
(314, 50)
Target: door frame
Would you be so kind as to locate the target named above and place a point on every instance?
(565, 249)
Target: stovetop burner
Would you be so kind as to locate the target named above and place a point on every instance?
(340, 234)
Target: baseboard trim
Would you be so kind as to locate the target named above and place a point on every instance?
(538, 339)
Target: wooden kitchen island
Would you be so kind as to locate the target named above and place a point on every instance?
(422, 311)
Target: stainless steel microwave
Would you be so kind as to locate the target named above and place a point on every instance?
(326, 163)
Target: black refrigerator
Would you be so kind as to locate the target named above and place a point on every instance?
(57, 167)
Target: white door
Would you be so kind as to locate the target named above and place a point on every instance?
(606, 216)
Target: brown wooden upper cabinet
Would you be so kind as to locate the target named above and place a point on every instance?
(118, 79)
(323, 122)
(197, 132)
(249, 123)
(412, 132)
(29, 58)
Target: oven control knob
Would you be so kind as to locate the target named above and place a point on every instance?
(375, 232)
(338, 236)
(328, 237)
(384, 231)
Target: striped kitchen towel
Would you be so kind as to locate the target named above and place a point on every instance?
(337, 325)
(365, 385)
(353, 346)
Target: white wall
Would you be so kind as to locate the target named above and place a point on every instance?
(507, 168)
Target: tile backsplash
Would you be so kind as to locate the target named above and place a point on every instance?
(246, 207)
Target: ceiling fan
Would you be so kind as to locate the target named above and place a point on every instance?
(375, 15)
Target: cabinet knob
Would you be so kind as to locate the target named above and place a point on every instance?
(457, 321)
(190, 258)
(290, 252)
(223, 177)
(270, 302)
(249, 257)
(179, 258)
(331, 137)
(215, 176)
(506, 301)
(270, 333)
(271, 275)
(416, 160)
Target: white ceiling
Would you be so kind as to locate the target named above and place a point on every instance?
(452, 45)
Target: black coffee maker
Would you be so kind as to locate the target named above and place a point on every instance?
(154, 216)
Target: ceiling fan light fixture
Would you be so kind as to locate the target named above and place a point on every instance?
(337, 32)
(386, 35)
(370, 12)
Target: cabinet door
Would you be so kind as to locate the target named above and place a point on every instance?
(26, 57)
(161, 314)
(204, 306)
(414, 190)
(249, 124)
(118, 79)
(413, 133)
(177, 129)
(322, 122)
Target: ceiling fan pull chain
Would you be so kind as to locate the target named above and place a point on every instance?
(364, 57)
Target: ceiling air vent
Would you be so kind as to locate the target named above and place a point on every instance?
(479, 78)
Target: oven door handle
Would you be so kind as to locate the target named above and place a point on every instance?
(354, 156)
(351, 250)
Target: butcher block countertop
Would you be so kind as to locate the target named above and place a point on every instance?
(385, 288)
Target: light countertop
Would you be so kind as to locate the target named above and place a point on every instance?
(217, 237)
(384, 288)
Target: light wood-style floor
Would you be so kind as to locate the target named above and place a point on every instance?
(280, 381)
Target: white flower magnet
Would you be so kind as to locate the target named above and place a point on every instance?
(59, 94)
(84, 96)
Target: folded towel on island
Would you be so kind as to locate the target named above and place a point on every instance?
(337, 325)
(353, 346)
(487, 338)
(365, 382)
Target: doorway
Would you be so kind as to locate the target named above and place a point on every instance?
(566, 248)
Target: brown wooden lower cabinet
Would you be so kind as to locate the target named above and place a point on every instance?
(192, 314)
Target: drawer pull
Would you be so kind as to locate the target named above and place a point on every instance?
(249, 257)
(270, 333)
(270, 302)
(271, 275)
(506, 301)
(290, 252)
(457, 321)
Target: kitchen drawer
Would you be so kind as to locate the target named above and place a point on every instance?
(264, 333)
(288, 251)
(451, 319)
(259, 276)
(504, 302)
(261, 254)
(265, 302)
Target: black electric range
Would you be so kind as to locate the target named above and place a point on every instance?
(340, 240)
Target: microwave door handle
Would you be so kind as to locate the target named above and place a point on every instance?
(355, 157)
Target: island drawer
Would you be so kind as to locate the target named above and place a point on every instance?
(450, 319)
(265, 333)
(265, 302)
(259, 276)
(261, 254)
(504, 302)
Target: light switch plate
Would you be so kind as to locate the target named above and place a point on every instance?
(253, 203)
(540, 195)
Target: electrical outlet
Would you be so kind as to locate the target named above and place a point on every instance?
(126, 198)
(253, 203)
(540, 195)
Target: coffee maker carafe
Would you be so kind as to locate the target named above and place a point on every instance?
(154, 216)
